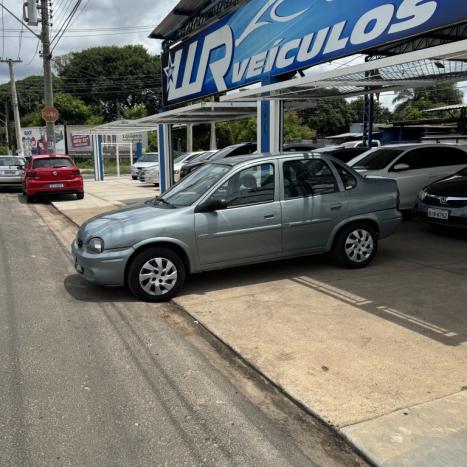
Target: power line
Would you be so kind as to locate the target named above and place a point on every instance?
(65, 25)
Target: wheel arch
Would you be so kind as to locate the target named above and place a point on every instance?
(369, 220)
(177, 248)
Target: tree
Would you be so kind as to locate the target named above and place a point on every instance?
(330, 116)
(113, 78)
(411, 103)
(381, 114)
(72, 111)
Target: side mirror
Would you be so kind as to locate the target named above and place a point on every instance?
(212, 205)
(401, 167)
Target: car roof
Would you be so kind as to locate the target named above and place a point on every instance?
(238, 160)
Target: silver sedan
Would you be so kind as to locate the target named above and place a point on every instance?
(11, 171)
(238, 211)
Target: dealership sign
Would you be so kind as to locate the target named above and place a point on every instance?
(268, 38)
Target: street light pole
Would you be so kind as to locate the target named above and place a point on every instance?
(7, 132)
(48, 85)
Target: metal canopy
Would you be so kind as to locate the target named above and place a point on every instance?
(448, 108)
(119, 127)
(204, 112)
(434, 66)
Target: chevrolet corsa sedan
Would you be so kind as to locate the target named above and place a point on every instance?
(239, 211)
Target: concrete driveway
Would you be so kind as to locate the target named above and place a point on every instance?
(379, 353)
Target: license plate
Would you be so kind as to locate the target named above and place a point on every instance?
(10, 172)
(442, 214)
(56, 185)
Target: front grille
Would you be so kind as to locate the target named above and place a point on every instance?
(444, 202)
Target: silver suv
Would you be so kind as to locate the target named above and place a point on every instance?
(239, 211)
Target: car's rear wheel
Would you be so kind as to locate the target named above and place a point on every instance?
(156, 275)
(134, 178)
(80, 195)
(30, 199)
(355, 246)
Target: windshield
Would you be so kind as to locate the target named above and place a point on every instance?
(187, 157)
(7, 161)
(149, 157)
(463, 172)
(378, 159)
(191, 188)
(55, 163)
(202, 157)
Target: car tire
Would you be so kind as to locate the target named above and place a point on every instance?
(80, 195)
(148, 282)
(30, 199)
(134, 178)
(355, 246)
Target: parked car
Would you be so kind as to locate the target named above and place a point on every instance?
(238, 211)
(376, 143)
(241, 149)
(11, 171)
(343, 154)
(186, 158)
(413, 166)
(300, 146)
(445, 201)
(150, 174)
(149, 159)
(47, 175)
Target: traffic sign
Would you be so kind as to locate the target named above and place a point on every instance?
(50, 114)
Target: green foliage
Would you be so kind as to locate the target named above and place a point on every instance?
(113, 78)
(134, 112)
(237, 131)
(381, 114)
(413, 102)
(295, 130)
(329, 117)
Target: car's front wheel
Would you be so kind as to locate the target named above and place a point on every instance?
(355, 246)
(156, 275)
(134, 178)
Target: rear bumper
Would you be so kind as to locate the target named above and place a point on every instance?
(10, 181)
(389, 226)
(35, 187)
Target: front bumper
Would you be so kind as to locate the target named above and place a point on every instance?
(107, 268)
(457, 216)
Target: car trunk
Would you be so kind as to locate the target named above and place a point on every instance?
(55, 174)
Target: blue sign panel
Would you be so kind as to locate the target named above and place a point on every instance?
(268, 38)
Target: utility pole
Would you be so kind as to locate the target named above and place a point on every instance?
(7, 129)
(14, 102)
(48, 85)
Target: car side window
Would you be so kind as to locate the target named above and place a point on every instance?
(450, 156)
(416, 159)
(349, 181)
(255, 185)
(308, 177)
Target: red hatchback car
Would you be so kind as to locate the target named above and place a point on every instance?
(47, 175)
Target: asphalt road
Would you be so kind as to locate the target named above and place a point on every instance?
(90, 377)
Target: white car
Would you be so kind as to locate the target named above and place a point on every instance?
(376, 143)
(413, 166)
(150, 159)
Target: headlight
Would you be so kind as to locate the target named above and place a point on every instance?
(422, 195)
(177, 172)
(96, 245)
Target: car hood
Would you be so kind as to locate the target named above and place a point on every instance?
(125, 227)
(454, 186)
(370, 173)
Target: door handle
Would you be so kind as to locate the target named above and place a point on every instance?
(336, 207)
(269, 216)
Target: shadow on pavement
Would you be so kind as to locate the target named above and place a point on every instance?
(84, 291)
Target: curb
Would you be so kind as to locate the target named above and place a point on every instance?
(297, 402)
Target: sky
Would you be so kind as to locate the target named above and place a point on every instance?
(138, 17)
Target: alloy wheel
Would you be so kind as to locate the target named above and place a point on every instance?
(158, 276)
(359, 246)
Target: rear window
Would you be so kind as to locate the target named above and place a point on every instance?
(55, 163)
(378, 159)
(10, 161)
(463, 172)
